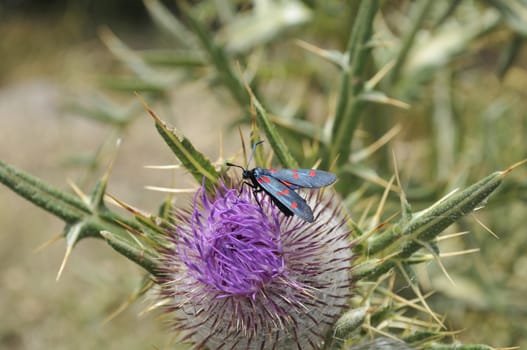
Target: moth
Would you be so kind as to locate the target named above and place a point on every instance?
(280, 185)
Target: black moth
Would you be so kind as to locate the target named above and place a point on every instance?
(280, 185)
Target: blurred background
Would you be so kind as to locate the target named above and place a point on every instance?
(455, 111)
(52, 57)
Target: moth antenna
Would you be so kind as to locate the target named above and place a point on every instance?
(235, 165)
(253, 150)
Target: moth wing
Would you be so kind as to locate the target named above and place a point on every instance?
(308, 178)
(286, 196)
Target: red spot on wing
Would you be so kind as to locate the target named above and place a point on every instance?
(312, 173)
(272, 170)
(289, 184)
(263, 179)
(295, 174)
(294, 205)
(284, 192)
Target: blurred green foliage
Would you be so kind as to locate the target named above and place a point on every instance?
(441, 82)
(439, 86)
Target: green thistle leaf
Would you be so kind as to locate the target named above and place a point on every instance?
(275, 140)
(405, 239)
(133, 251)
(194, 161)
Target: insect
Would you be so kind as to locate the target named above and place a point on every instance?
(280, 185)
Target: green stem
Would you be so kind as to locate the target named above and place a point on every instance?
(218, 57)
(275, 140)
(63, 205)
(89, 220)
(140, 256)
(347, 114)
(422, 11)
(423, 227)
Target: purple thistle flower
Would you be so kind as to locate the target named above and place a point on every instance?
(243, 276)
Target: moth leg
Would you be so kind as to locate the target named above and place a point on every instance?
(255, 190)
(246, 183)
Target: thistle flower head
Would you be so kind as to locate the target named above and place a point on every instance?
(239, 274)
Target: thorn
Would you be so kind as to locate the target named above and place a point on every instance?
(419, 295)
(47, 243)
(386, 334)
(134, 235)
(317, 164)
(386, 222)
(71, 236)
(452, 235)
(370, 84)
(377, 228)
(485, 227)
(396, 174)
(384, 197)
(374, 178)
(333, 163)
(96, 199)
(240, 72)
(402, 196)
(78, 191)
(117, 311)
(171, 190)
(413, 322)
(128, 228)
(514, 166)
(438, 260)
(154, 306)
(309, 47)
(243, 144)
(132, 298)
(69, 249)
(163, 167)
(454, 332)
(367, 209)
(389, 256)
(106, 175)
(124, 205)
(374, 147)
(413, 303)
(148, 109)
(462, 252)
